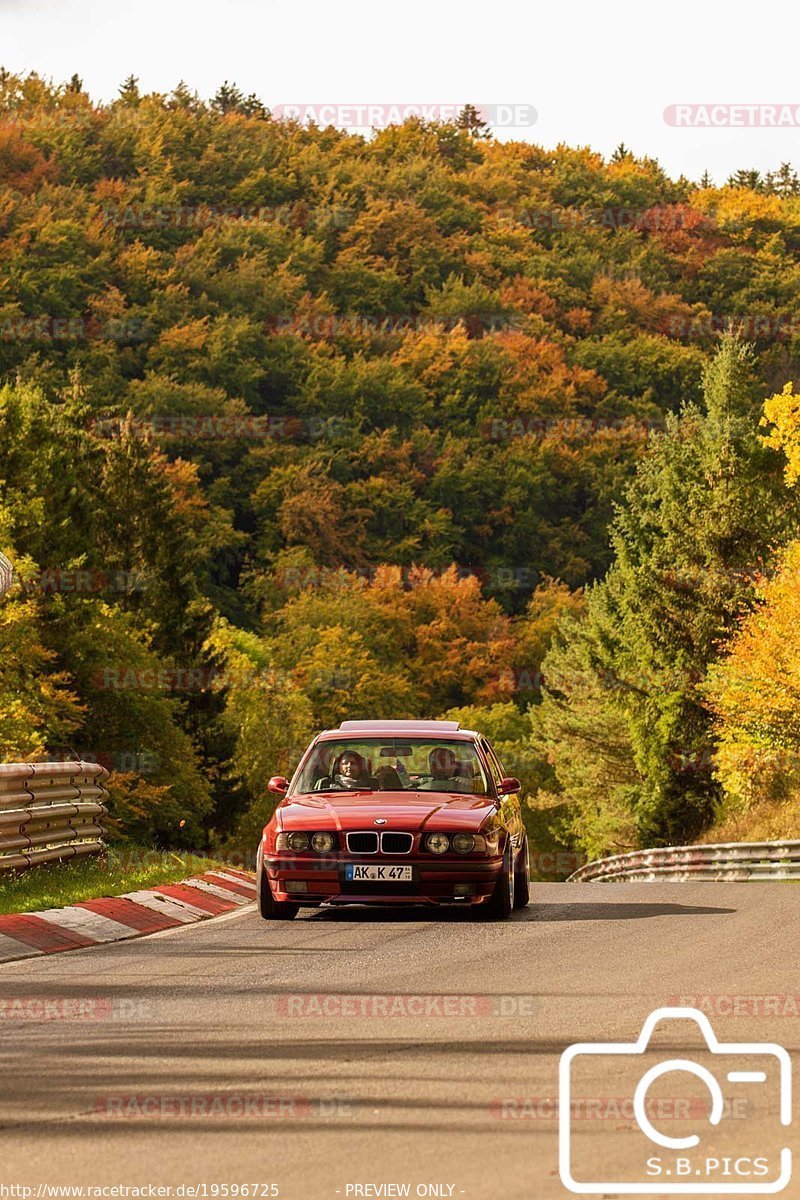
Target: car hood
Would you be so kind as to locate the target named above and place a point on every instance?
(400, 810)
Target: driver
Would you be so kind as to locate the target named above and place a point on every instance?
(352, 772)
(443, 767)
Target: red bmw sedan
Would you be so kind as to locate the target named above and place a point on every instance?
(395, 812)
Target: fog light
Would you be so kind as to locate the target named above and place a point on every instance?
(296, 885)
(463, 889)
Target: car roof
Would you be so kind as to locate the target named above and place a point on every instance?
(391, 729)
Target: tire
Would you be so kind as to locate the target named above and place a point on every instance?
(502, 899)
(270, 908)
(522, 879)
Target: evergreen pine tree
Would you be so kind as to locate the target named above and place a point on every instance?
(706, 505)
(747, 178)
(129, 91)
(471, 119)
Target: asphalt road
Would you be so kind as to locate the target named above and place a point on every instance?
(202, 1057)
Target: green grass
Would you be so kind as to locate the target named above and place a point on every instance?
(126, 870)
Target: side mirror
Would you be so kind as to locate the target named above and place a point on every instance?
(509, 786)
(279, 784)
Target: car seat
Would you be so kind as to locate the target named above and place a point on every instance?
(389, 779)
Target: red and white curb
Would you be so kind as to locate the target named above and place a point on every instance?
(113, 918)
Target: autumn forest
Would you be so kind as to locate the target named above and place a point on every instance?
(299, 425)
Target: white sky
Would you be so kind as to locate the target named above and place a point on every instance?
(597, 73)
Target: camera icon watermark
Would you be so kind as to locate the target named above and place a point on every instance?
(722, 1072)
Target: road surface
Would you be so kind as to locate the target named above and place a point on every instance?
(219, 1053)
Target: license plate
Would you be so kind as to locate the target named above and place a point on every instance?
(374, 873)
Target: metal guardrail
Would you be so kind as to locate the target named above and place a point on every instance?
(731, 861)
(50, 812)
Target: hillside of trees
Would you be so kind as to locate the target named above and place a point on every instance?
(297, 425)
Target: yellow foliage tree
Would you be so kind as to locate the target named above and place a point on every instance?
(754, 693)
(754, 690)
(782, 411)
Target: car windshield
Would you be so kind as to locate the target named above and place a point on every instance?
(393, 765)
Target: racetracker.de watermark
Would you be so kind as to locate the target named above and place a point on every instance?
(503, 577)
(769, 327)
(210, 427)
(566, 429)
(732, 1004)
(655, 219)
(319, 326)
(255, 1106)
(74, 1008)
(450, 1006)
(206, 216)
(84, 581)
(126, 858)
(205, 679)
(613, 1108)
(45, 327)
(381, 115)
(733, 116)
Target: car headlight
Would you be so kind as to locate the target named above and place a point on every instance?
(323, 843)
(437, 843)
(463, 843)
(297, 841)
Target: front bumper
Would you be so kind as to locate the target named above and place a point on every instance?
(449, 880)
